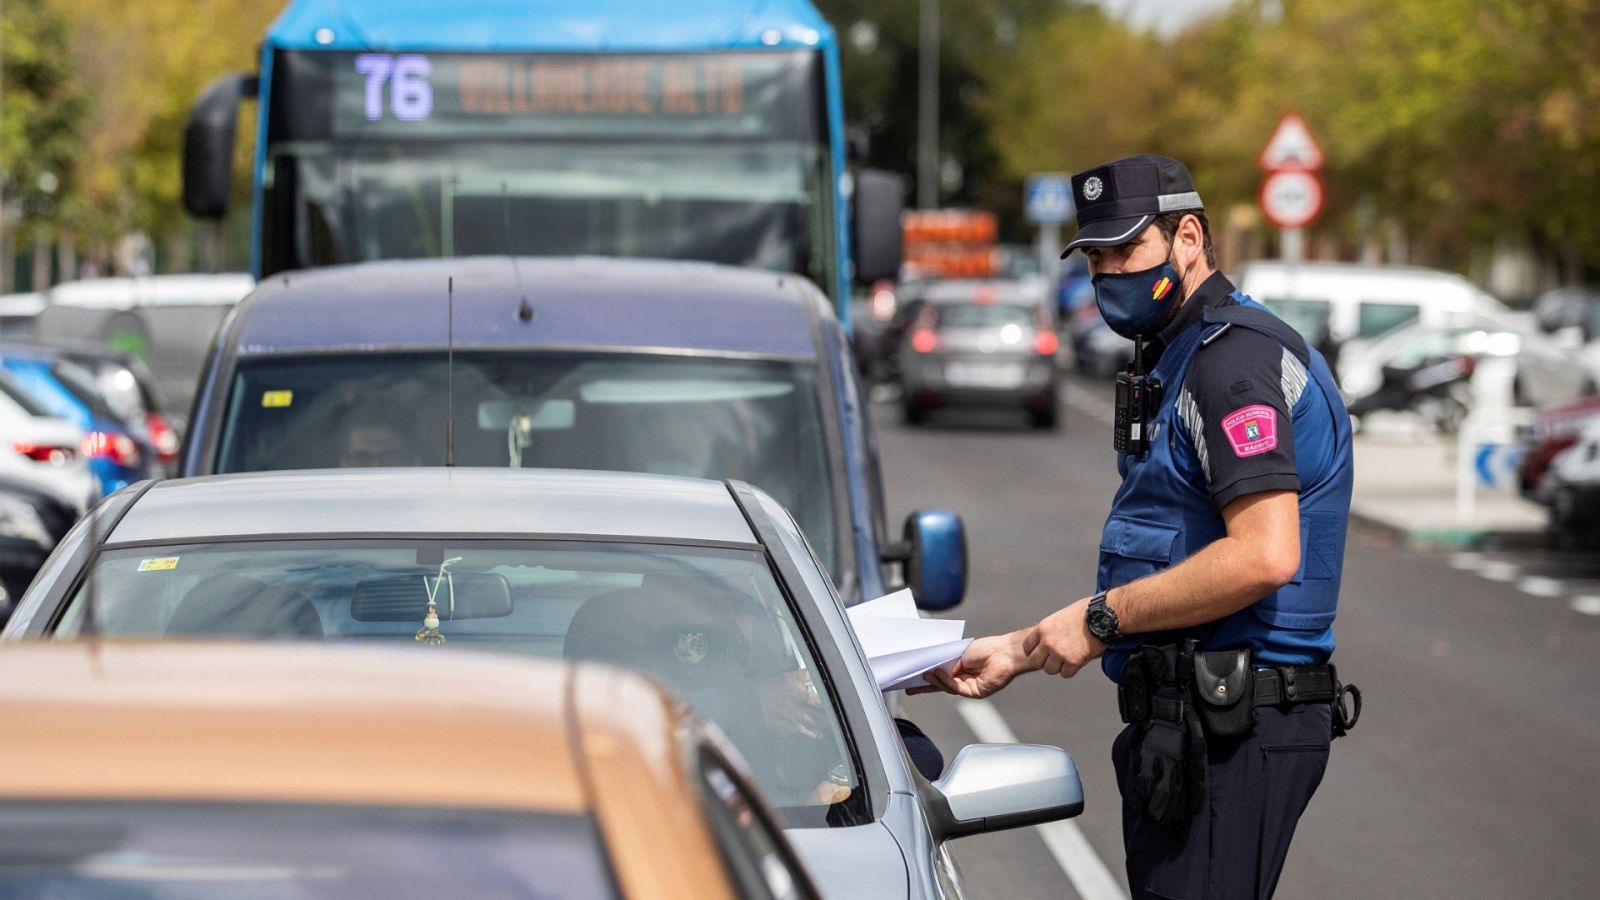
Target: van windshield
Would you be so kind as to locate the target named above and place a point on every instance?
(751, 420)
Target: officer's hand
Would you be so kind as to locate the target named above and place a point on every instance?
(988, 665)
(1062, 644)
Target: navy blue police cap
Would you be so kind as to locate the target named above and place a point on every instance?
(1118, 200)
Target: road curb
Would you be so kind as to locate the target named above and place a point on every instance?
(1454, 538)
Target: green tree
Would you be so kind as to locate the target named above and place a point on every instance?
(41, 115)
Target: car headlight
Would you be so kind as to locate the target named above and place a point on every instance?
(19, 520)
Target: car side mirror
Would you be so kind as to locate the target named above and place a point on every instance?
(934, 552)
(992, 787)
(875, 207)
(208, 145)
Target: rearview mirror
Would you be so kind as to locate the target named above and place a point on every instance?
(934, 552)
(208, 145)
(875, 207)
(992, 787)
(543, 415)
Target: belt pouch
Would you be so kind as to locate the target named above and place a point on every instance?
(1224, 689)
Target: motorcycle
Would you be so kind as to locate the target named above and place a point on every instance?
(1438, 391)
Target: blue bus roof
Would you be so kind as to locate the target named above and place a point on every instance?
(586, 302)
(548, 25)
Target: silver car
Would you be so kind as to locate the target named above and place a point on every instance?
(708, 586)
(980, 347)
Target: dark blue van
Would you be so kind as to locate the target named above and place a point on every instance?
(663, 367)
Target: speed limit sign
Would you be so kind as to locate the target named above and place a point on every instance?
(1292, 198)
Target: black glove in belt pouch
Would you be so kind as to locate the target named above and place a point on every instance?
(1224, 690)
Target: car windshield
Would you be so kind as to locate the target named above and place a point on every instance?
(1309, 317)
(123, 851)
(709, 623)
(756, 421)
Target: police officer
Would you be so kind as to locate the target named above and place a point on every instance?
(1220, 562)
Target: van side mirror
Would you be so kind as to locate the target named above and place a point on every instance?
(208, 145)
(992, 787)
(934, 552)
(875, 208)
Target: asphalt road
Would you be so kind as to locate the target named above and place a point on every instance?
(1475, 771)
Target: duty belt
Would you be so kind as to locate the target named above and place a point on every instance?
(1274, 686)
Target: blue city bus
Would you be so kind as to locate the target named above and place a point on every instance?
(399, 129)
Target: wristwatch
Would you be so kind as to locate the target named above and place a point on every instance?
(1101, 621)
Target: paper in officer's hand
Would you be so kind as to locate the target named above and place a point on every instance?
(901, 645)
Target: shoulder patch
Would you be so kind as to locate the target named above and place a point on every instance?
(1251, 430)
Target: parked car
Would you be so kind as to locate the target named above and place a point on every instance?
(626, 365)
(43, 450)
(1330, 303)
(222, 771)
(970, 348)
(98, 396)
(32, 521)
(18, 313)
(1571, 487)
(708, 586)
(1556, 429)
(167, 321)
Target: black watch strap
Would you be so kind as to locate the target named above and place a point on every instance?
(1100, 619)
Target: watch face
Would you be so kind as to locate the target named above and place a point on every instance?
(1100, 622)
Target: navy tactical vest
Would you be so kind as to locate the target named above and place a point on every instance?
(1162, 513)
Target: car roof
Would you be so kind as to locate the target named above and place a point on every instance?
(436, 501)
(576, 302)
(286, 723)
(151, 290)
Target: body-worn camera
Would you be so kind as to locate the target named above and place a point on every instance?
(1138, 399)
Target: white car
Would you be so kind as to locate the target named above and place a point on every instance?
(1348, 301)
(43, 451)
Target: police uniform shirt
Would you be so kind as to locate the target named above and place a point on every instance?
(1236, 402)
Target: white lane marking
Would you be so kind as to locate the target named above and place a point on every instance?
(1064, 839)
(1588, 604)
(1466, 562)
(1540, 586)
(1499, 571)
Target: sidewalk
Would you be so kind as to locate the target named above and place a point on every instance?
(1406, 484)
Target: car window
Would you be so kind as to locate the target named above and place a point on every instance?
(756, 421)
(711, 624)
(1307, 316)
(1376, 317)
(993, 315)
(755, 850)
(21, 399)
(181, 851)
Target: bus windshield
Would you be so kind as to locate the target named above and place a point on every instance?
(721, 158)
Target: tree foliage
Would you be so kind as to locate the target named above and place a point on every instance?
(1459, 122)
(41, 112)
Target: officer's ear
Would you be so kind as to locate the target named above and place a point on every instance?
(1188, 242)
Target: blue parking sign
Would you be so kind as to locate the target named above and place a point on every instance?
(1047, 199)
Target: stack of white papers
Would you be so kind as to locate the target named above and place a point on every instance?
(901, 645)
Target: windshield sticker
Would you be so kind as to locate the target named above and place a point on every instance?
(159, 564)
(277, 399)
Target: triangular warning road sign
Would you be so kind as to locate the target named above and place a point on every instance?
(1292, 147)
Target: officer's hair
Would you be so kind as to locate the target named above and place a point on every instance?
(1167, 224)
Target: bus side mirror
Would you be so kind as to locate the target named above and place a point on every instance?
(875, 208)
(935, 558)
(208, 145)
